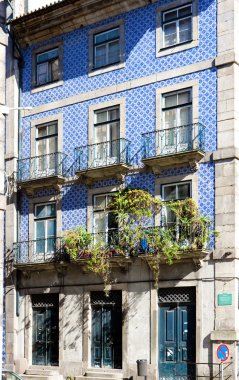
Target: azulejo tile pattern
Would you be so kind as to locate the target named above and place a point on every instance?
(140, 52)
(140, 104)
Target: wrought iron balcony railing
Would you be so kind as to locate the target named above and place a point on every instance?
(38, 251)
(114, 242)
(47, 165)
(102, 154)
(185, 138)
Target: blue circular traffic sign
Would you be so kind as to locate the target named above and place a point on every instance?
(223, 352)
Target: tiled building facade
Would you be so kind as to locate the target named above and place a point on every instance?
(154, 76)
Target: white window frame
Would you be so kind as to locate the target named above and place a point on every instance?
(91, 46)
(106, 231)
(45, 225)
(161, 50)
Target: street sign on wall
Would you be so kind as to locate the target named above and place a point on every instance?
(223, 352)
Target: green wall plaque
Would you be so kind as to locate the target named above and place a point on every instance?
(224, 299)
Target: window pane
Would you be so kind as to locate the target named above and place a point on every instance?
(170, 118)
(170, 34)
(100, 56)
(100, 134)
(112, 224)
(170, 217)
(113, 114)
(107, 36)
(41, 131)
(185, 30)
(170, 101)
(40, 211)
(52, 144)
(184, 191)
(184, 97)
(100, 202)
(114, 131)
(51, 210)
(41, 147)
(114, 52)
(169, 193)
(101, 117)
(168, 16)
(40, 230)
(184, 116)
(52, 129)
(54, 70)
(99, 222)
(185, 11)
(51, 228)
(47, 56)
(42, 73)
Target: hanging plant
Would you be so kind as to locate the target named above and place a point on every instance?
(76, 242)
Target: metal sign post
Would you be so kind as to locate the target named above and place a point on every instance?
(222, 355)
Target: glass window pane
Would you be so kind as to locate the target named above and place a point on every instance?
(170, 217)
(170, 34)
(47, 55)
(114, 131)
(52, 129)
(41, 147)
(101, 116)
(184, 116)
(100, 134)
(169, 193)
(51, 228)
(51, 210)
(170, 118)
(40, 211)
(184, 191)
(99, 222)
(100, 56)
(54, 70)
(185, 11)
(40, 230)
(168, 16)
(114, 52)
(107, 36)
(42, 73)
(52, 144)
(185, 30)
(112, 223)
(41, 131)
(99, 202)
(113, 114)
(170, 100)
(184, 97)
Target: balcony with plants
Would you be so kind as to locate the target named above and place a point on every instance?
(186, 239)
(174, 146)
(47, 170)
(108, 159)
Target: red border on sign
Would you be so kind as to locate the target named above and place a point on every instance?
(218, 348)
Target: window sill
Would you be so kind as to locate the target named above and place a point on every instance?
(177, 48)
(107, 69)
(47, 87)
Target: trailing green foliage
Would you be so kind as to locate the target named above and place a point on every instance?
(134, 209)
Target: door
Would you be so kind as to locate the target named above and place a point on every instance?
(46, 150)
(106, 344)
(177, 325)
(45, 332)
(45, 231)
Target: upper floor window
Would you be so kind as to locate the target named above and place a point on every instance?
(173, 192)
(105, 225)
(45, 228)
(177, 26)
(47, 66)
(177, 108)
(106, 48)
(46, 148)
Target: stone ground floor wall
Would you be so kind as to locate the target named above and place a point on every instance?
(139, 311)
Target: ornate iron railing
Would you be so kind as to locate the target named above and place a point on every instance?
(174, 140)
(102, 154)
(115, 242)
(47, 165)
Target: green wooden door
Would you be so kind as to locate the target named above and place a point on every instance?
(106, 343)
(45, 334)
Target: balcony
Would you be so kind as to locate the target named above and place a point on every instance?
(108, 159)
(41, 171)
(172, 147)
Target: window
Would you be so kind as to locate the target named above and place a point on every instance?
(106, 48)
(104, 223)
(46, 148)
(106, 137)
(176, 121)
(177, 26)
(47, 67)
(170, 192)
(45, 228)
